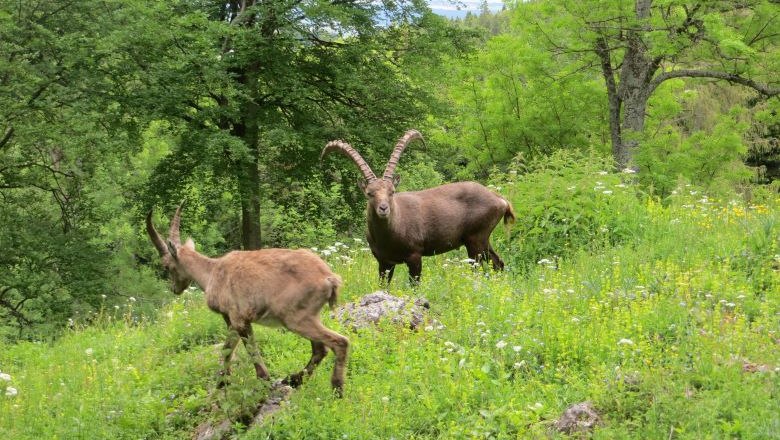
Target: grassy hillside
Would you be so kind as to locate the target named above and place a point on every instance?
(670, 327)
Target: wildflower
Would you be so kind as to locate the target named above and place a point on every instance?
(629, 171)
(518, 365)
(103, 296)
(326, 252)
(625, 341)
(575, 319)
(5, 376)
(741, 297)
(517, 348)
(357, 240)
(385, 399)
(428, 328)
(131, 299)
(88, 351)
(603, 173)
(607, 192)
(500, 344)
(11, 391)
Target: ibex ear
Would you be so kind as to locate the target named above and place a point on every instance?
(396, 180)
(362, 183)
(172, 250)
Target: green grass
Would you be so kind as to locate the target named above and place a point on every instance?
(655, 331)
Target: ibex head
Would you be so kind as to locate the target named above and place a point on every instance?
(379, 192)
(169, 249)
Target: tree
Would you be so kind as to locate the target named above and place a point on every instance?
(264, 84)
(512, 97)
(638, 45)
(62, 76)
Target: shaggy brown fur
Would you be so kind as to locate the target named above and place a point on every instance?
(272, 287)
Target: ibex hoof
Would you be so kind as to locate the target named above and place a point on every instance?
(293, 380)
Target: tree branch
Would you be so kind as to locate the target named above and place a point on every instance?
(9, 132)
(764, 89)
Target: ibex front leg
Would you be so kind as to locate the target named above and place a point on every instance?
(254, 353)
(385, 273)
(414, 263)
(227, 355)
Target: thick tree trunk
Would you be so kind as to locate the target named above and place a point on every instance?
(249, 188)
(248, 173)
(633, 91)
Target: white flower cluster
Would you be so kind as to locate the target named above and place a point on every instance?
(5, 380)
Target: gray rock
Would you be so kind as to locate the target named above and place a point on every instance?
(373, 307)
(580, 417)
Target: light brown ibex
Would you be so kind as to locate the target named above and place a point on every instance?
(403, 227)
(272, 287)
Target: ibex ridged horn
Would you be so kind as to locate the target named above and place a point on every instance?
(347, 150)
(173, 233)
(158, 241)
(400, 146)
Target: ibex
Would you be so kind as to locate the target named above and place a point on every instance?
(403, 227)
(272, 287)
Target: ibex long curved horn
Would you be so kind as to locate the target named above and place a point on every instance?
(400, 146)
(173, 233)
(155, 236)
(347, 150)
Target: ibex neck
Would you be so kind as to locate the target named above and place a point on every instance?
(197, 266)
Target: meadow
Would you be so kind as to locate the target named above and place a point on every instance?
(664, 313)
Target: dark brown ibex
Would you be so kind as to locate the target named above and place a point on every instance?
(272, 287)
(403, 227)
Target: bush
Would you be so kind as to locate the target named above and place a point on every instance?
(569, 201)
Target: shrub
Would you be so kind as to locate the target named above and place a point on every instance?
(569, 201)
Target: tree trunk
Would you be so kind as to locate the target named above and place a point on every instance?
(634, 90)
(248, 169)
(633, 123)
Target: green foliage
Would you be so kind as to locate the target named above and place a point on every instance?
(512, 97)
(568, 202)
(711, 158)
(671, 330)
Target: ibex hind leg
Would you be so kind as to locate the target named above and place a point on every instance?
(477, 250)
(498, 263)
(318, 353)
(313, 330)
